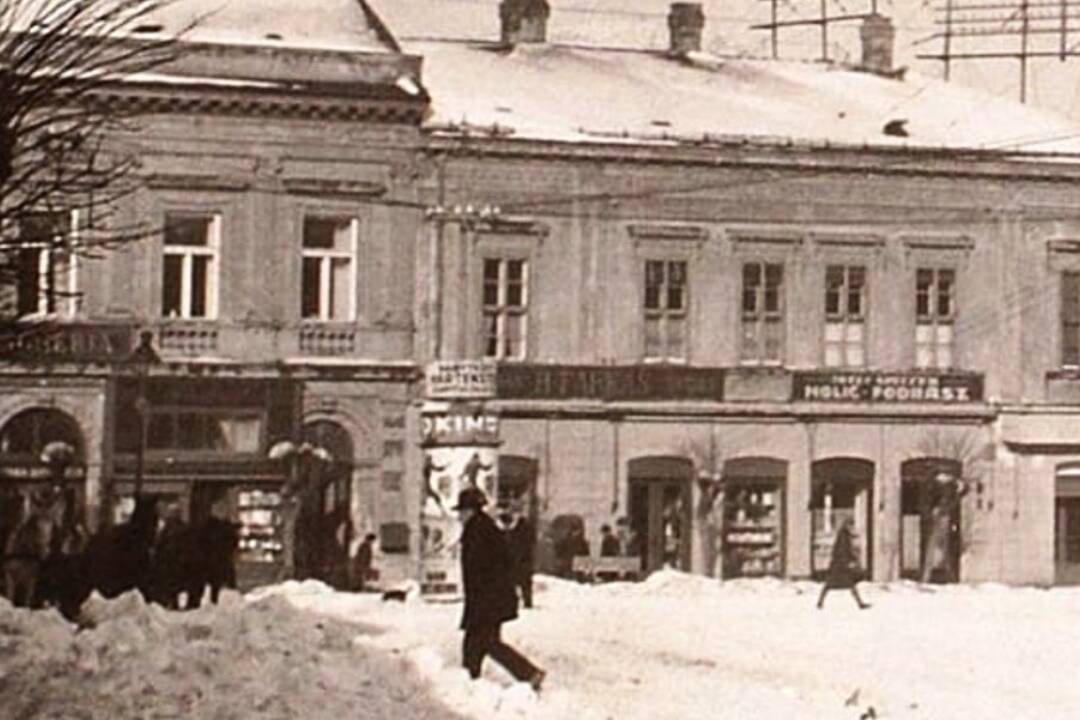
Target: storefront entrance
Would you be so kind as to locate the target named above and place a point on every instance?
(1067, 526)
(753, 540)
(659, 510)
(841, 488)
(930, 540)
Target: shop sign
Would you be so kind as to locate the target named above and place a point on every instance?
(460, 427)
(609, 383)
(64, 342)
(40, 472)
(460, 379)
(876, 387)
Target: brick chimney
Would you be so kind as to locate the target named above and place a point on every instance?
(877, 35)
(685, 20)
(523, 21)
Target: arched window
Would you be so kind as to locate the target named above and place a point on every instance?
(24, 436)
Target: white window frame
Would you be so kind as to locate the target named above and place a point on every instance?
(64, 242)
(187, 253)
(844, 319)
(935, 320)
(326, 262)
(665, 314)
(500, 310)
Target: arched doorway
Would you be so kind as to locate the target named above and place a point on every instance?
(930, 540)
(1067, 524)
(660, 512)
(330, 528)
(753, 541)
(41, 446)
(841, 488)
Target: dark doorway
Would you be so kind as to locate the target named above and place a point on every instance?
(841, 488)
(660, 512)
(1067, 526)
(930, 530)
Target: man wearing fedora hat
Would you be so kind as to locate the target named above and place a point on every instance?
(487, 570)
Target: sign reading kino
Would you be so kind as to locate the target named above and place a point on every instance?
(888, 387)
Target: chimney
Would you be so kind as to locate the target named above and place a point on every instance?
(877, 35)
(523, 21)
(685, 20)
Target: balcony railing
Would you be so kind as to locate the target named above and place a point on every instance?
(188, 338)
(327, 340)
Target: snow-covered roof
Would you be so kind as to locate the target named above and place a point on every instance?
(567, 93)
(341, 25)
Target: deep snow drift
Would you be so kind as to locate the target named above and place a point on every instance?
(674, 646)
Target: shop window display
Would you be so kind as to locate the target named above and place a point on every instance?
(753, 533)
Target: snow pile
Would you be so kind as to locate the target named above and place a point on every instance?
(263, 658)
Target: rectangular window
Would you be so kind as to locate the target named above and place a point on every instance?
(762, 312)
(665, 309)
(505, 308)
(1070, 319)
(845, 316)
(189, 266)
(328, 278)
(220, 432)
(935, 307)
(46, 266)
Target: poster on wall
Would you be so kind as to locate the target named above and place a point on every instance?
(460, 449)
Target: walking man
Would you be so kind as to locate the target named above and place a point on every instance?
(487, 571)
(843, 566)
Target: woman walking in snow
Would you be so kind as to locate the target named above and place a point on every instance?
(843, 566)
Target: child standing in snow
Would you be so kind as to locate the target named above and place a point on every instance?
(842, 566)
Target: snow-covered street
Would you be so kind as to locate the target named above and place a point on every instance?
(674, 646)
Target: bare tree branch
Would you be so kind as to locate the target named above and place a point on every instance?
(59, 151)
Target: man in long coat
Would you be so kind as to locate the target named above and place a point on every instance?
(842, 566)
(487, 571)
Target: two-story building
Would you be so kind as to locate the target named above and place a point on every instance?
(737, 301)
(276, 161)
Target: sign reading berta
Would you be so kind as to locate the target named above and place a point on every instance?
(888, 387)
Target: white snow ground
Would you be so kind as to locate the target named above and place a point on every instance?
(675, 646)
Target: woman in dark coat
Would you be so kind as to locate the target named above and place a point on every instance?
(843, 566)
(487, 570)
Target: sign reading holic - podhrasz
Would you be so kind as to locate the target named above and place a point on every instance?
(888, 387)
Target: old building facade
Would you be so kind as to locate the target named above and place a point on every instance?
(834, 306)
(731, 301)
(275, 157)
